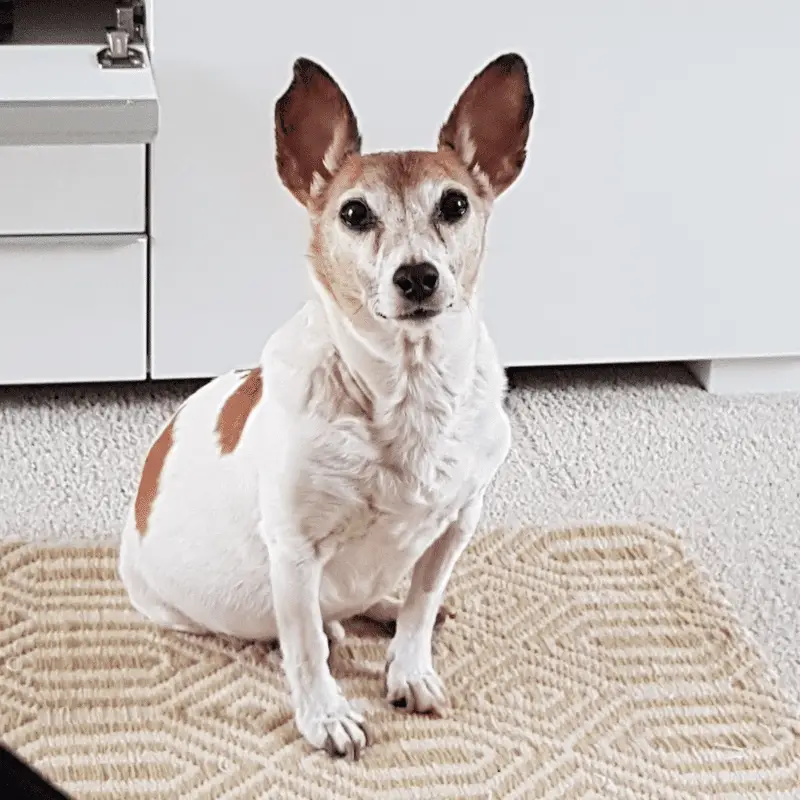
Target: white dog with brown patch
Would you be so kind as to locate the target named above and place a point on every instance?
(282, 500)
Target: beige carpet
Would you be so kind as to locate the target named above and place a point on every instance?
(584, 663)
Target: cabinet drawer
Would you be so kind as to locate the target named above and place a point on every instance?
(73, 309)
(72, 189)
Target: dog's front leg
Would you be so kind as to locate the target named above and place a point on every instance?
(323, 715)
(411, 681)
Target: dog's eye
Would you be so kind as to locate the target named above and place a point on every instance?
(453, 206)
(356, 215)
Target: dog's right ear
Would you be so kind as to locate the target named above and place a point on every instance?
(315, 131)
(488, 127)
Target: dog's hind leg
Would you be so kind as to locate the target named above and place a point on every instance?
(334, 631)
(385, 611)
(146, 603)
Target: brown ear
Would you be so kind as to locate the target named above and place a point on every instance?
(315, 131)
(489, 125)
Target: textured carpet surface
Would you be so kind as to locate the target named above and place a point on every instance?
(590, 445)
(594, 662)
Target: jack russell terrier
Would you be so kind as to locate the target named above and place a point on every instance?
(283, 499)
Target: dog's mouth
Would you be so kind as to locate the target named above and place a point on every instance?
(419, 315)
(415, 316)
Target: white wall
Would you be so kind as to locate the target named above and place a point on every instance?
(657, 217)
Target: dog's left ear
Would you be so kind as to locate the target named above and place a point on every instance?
(315, 131)
(488, 127)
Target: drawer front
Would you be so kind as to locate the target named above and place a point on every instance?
(73, 309)
(72, 189)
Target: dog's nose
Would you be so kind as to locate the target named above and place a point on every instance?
(417, 281)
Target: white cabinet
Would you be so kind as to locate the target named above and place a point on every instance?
(72, 309)
(656, 218)
(74, 128)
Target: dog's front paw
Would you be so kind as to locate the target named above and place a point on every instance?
(335, 727)
(415, 687)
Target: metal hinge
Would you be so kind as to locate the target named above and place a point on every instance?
(130, 29)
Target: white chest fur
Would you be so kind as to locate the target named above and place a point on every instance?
(387, 456)
(402, 507)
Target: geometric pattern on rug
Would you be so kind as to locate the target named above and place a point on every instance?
(597, 662)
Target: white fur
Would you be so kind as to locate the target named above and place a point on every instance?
(366, 459)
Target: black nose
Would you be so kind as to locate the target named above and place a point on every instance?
(417, 281)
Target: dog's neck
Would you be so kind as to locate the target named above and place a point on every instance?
(388, 364)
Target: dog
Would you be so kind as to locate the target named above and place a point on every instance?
(286, 498)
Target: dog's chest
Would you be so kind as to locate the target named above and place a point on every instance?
(423, 475)
(413, 462)
(423, 453)
(414, 486)
(379, 542)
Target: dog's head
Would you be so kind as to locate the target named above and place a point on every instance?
(401, 235)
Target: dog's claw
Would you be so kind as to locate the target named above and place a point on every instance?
(443, 614)
(417, 691)
(330, 748)
(341, 733)
(370, 739)
(350, 745)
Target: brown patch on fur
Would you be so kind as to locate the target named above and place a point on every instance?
(236, 410)
(315, 129)
(151, 476)
(399, 172)
(340, 281)
(488, 127)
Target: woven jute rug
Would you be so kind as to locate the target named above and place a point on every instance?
(598, 662)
